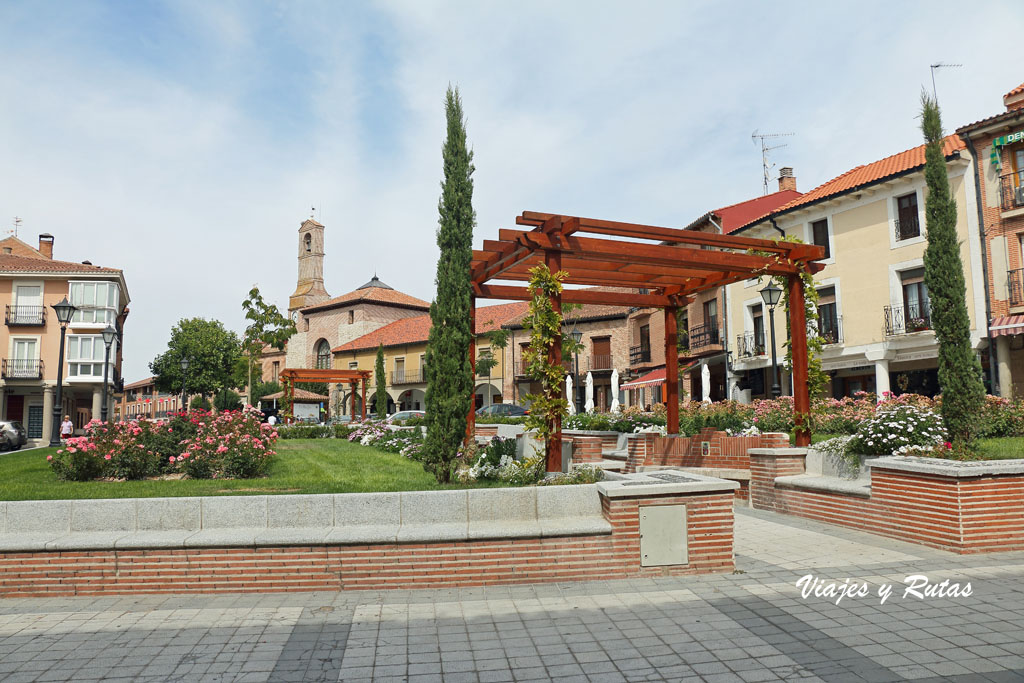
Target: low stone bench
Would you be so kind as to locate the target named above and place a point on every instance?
(831, 474)
(327, 519)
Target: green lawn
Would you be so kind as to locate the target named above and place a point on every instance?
(302, 466)
(1002, 448)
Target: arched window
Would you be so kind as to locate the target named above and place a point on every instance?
(309, 242)
(323, 355)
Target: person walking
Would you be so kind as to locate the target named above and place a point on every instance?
(67, 428)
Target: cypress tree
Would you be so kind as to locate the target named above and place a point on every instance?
(963, 393)
(449, 375)
(382, 395)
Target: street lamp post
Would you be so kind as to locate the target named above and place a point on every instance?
(771, 295)
(109, 335)
(577, 336)
(64, 311)
(184, 371)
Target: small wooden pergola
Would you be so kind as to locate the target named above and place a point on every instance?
(353, 377)
(667, 266)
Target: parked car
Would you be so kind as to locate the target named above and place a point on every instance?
(404, 415)
(12, 435)
(503, 410)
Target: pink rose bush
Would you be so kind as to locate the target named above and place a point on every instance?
(199, 444)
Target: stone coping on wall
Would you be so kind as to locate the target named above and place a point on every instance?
(777, 451)
(948, 468)
(319, 519)
(716, 472)
(645, 484)
(826, 484)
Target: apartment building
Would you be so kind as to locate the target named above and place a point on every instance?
(143, 401)
(604, 337)
(704, 332)
(31, 281)
(405, 348)
(873, 306)
(996, 146)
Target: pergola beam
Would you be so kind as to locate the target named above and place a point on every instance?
(579, 296)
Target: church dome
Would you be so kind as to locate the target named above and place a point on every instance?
(375, 282)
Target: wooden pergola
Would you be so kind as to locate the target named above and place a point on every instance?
(353, 377)
(667, 266)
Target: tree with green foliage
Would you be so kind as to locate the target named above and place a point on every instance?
(449, 395)
(381, 398)
(227, 400)
(963, 392)
(211, 350)
(261, 389)
(267, 327)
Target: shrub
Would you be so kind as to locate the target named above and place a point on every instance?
(199, 403)
(232, 445)
(898, 430)
(78, 460)
(498, 453)
(300, 431)
(580, 474)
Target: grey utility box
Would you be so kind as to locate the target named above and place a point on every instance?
(662, 535)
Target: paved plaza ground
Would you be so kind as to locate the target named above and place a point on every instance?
(753, 625)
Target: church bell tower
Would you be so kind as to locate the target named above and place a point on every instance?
(309, 289)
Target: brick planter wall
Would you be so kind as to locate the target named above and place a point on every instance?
(726, 452)
(955, 512)
(587, 449)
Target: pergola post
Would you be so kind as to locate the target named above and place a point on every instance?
(471, 417)
(798, 342)
(671, 370)
(352, 388)
(553, 260)
(291, 398)
(364, 400)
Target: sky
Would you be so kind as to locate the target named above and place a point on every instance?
(185, 142)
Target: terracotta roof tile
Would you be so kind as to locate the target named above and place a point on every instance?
(416, 329)
(865, 175)
(300, 395)
(1016, 91)
(25, 264)
(737, 215)
(141, 383)
(371, 294)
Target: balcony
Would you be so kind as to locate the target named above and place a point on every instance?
(639, 354)
(908, 228)
(907, 319)
(750, 344)
(830, 329)
(408, 377)
(25, 315)
(1012, 191)
(1015, 280)
(599, 363)
(703, 335)
(22, 368)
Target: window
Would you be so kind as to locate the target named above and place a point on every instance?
(26, 359)
(828, 318)
(96, 302)
(757, 316)
(819, 235)
(645, 338)
(351, 317)
(275, 371)
(353, 365)
(907, 224)
(916, 305)
(308, 241)
(85, 355)
(323, 355)
(711, 314)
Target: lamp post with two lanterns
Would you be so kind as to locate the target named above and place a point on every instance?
(109, 335)
(771, 295)
(184, 371)
(64, 311)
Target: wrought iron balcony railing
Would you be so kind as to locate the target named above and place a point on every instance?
(22, 368)
(1015, 280)
(1012, 191)
(908, 228)
(830, 329)
(907, 319)
(639, 354)
(408, 377)
(596, 363)
(703, 335)
(750, 344)
(25, 315)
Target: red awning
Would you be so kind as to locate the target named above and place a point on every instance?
(650, 379)
(1006, 325)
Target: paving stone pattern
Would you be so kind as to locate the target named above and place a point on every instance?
(749, 626)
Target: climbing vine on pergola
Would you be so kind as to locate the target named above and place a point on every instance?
(666, 267)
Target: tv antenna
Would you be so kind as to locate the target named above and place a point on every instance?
(765, 148)
(17, 225)
(940, 65)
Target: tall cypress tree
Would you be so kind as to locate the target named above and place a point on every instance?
(382, 394)
(449, 375)
(963, 393)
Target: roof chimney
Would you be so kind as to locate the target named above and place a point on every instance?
(787, 181)
(1015, 98)
(46, 245)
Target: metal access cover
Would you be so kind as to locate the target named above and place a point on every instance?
(662, 535)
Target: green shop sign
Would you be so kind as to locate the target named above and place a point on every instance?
(1003, 141)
